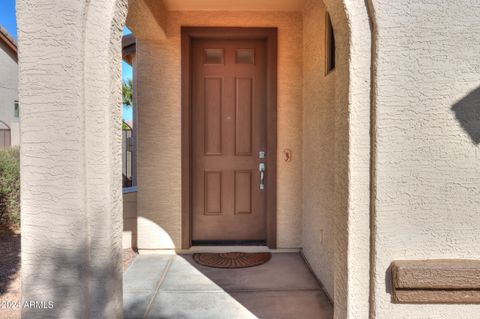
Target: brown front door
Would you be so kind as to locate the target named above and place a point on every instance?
(229, 140)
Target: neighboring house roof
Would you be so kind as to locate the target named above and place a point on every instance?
(129, 124)
(4, 125)
(8, 40)
(129, 47)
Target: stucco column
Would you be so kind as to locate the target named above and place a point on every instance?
(71, 156)
(353, 115)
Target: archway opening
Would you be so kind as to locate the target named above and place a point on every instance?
(334, 241)
(333, 163)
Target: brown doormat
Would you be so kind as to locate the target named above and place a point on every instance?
(231, 260)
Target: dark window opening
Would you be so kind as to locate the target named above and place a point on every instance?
(16, 110)
(329, 46)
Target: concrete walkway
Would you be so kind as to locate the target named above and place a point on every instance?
(166, 286)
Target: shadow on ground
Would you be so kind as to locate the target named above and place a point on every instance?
(174, 286)
(10, 258)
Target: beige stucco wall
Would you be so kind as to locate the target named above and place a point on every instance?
(352, 157)
(159, 156)
(425, 169)
(70, 156)
(427, 202)
(72, 70)
(129, 239)
(318, 148)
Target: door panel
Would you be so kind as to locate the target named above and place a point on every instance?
(243, 192)
(213, 116)
(243, 117)
(228, 132)
(213, 193)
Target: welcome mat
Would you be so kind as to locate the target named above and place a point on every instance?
(231, 260)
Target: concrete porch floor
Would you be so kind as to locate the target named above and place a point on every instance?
(174, 286)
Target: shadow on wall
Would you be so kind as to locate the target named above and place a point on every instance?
(467, 112)
(59, 283)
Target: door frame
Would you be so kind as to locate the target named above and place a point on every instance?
(270, 36)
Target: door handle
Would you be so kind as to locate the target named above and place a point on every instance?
(261, 168)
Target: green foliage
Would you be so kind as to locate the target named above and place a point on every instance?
(10, 187)
(127, 92)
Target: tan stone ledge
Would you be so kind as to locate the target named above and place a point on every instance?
(449, 281)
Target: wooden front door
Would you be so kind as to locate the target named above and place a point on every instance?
(229, 140)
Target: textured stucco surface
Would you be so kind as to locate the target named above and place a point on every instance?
(352, 157)
(426, 146)
(427, 154)
(70, 156)
(9, 91)
(355, 120)
(147, 19)
(71, 183)
(159, 154)
(350, 200)
(318, 242)
(245, 5)
(129, 238)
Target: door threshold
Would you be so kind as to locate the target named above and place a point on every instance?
(226, 249)
(229, 243)
(217, 249)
